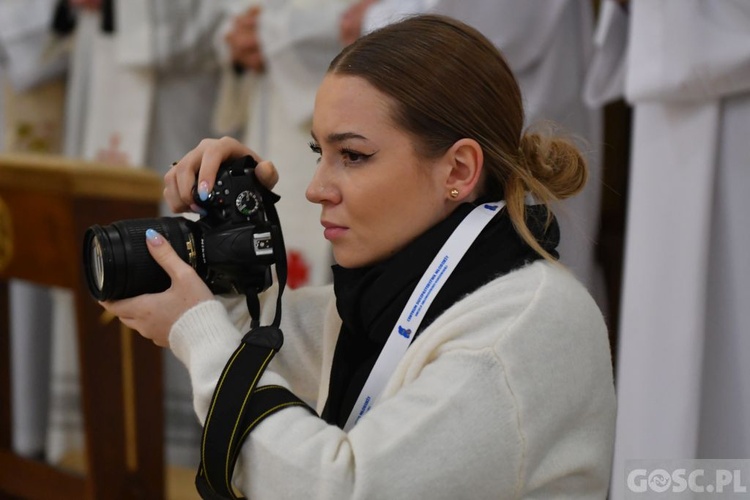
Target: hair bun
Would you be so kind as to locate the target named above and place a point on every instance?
(555, 163)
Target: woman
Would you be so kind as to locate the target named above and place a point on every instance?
(506, 391)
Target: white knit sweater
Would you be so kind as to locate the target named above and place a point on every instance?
(507, 394)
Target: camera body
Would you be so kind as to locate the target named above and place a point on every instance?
(236, 247)
(232, 247)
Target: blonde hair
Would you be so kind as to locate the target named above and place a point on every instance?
(549, 168)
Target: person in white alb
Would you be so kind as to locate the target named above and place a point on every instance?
(275, 54)
(683, 385)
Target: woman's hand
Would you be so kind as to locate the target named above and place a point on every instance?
(153, 315)
(203, 162)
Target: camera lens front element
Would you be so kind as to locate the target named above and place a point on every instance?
(97, 263)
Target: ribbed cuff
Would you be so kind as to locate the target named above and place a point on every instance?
(205, 328)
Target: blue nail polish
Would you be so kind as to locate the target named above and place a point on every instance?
(203, 191)
(154, 238)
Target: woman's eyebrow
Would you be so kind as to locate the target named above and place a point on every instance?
(339, 136)
(343, 136)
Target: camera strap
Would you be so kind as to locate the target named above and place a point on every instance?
(238, 405)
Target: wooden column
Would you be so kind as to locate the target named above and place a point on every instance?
(46, 204)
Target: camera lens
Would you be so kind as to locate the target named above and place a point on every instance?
(117, 262)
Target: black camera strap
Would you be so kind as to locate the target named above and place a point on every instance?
(238, 405)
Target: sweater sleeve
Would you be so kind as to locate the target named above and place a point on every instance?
(557, 361)
(203, 339)
(205, 336)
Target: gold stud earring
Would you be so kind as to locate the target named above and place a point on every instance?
(454, 193)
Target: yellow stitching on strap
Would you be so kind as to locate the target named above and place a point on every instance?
(211, 410)
(227, 471)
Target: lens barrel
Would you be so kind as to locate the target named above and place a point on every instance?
(117, 262)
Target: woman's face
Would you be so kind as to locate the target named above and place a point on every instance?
(376, 194)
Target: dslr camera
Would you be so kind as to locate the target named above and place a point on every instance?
(231, 247)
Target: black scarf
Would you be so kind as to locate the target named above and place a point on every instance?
(369, 300)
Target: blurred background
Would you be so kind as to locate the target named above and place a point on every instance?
(656, 93)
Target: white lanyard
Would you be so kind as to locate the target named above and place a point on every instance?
(411, 317)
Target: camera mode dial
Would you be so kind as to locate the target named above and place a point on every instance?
(247, 203)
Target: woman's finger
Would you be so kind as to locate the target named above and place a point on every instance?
(267, 174)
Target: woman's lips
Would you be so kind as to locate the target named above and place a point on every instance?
(333, 231)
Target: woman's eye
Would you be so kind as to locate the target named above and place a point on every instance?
(354, 157)
(348, 156)
(315, 148)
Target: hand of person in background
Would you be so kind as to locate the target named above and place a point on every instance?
(350, 25)
(243, 41)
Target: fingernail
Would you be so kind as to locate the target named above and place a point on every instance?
(203, 191)
(154, 238)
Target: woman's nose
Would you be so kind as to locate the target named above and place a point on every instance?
(320, 189)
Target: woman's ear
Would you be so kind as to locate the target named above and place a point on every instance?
(466, 159)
